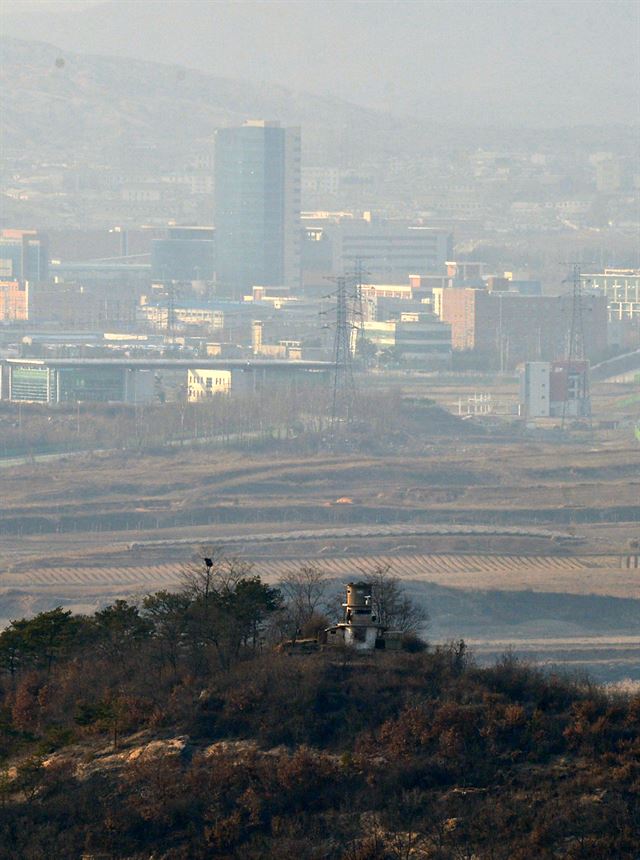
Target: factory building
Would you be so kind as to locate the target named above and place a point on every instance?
(389, 251)
(185, 254)
(551, 389)
(104, 277)
(202, 384)
(39, 382)
(621, 289)
(419, 339)
(506, 328)
(14, 301)
(185, 313)
(386, 251)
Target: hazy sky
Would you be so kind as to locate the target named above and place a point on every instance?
(533, 62)
(20, 6)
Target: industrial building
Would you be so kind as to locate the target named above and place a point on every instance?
(621, 289)
(555, 389)
(535, 389)
(419, 339)
(161, 315)
(104, 276)
(47, 382)
(73, 305)
(14, 301)
(387, 251)
(24, 264)
(390, 251)
(202, 384)
(24, 256)
(506, 328)
(465, 271)
(185, 254)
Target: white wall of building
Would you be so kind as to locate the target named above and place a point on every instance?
(535, 388)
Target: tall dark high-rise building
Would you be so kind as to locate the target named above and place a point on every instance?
(24, 255)
(257, 203)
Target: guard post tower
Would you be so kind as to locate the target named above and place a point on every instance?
(360, 628)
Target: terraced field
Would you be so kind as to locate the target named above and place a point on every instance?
(473, 484)
(567, 575)
(503, 541)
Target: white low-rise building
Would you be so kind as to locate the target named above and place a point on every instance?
(203, 384)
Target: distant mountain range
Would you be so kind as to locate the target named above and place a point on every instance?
(60, 103)
(57, 104)
(530, 63)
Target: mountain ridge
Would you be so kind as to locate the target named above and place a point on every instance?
(77, 95)
(59, 105)
(533, 64)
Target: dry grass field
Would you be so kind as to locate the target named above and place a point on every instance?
(474, 481)
(506, 540)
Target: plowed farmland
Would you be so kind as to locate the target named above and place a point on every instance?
(504, 541)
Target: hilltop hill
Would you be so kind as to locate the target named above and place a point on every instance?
(62, 103)
(123, 748)
(462, 62)
(59, 106)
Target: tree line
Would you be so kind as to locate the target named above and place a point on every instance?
(223, 612)
(296, 416)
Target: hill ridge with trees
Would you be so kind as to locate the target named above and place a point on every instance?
(176, 729)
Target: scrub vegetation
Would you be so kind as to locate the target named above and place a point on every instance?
(178, 728)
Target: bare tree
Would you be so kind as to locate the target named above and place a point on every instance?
(211, 572)
(390, 604)
(305, 600)
(392, 607)
(304, 592)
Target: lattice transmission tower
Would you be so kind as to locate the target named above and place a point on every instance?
(576, 353)
(344, 390)
(358, 308)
